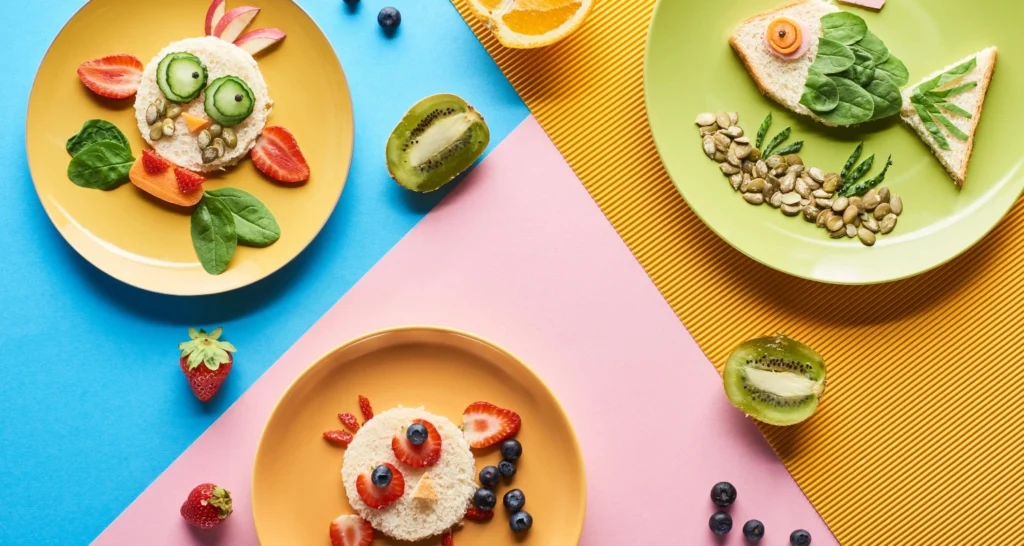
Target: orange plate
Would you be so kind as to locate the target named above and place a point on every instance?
(138, 239)
(444, 371)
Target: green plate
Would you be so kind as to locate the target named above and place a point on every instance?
(690, 69)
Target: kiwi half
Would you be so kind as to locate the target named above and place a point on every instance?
(776, 380)
(439, 138)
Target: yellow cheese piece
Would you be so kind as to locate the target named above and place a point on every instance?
(195, 123)
(425, 489)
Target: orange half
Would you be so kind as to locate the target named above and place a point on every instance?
(535, 23)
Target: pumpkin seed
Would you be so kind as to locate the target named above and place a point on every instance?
(776, 200)
(168, 127)
(882, 210)
(779, 171)
(705, 119)
(871, 200)
(811, 213)
(887, 224)
(741, 140)
(866, 236)
(152, 114)
(709, 147)
(735, 181)
(794, 159)
(730, 158)
(204, 139)
(734, 131)
(811, 184)
(173, 111)
(834, 223)
(839, 234)
(896, 204)
(769, 190)
(851, 231)
(802, 189)
(795, 169)
(821, 194)
(156, 132)
(850, 214)
(216, 130)
(230, 138)
(817, 175)
(788, 183)
(748, 167)
(218, 144)
(839, 205)
(869, 222)
(824, 203)
(756, 185)
(728, 169)
(822, 218)
(734, 118)
(761, 169)
(719, 157)
(753, 198)
(832, 182)
(710, 130)
(775, 161)
(743, 151)
(857, 202)
(723, 120)
(209, 155)
(722, 142)
(883, 195)
(161, 107)
(755, 154)
(790, 210)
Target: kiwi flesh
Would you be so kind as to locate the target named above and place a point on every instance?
(439, 138)
(776, 380)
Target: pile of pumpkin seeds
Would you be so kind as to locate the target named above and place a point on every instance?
(214, 141)
(160, 116)
(785, 183)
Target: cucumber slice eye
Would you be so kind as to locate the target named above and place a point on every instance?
(181, 77)
(229, 101)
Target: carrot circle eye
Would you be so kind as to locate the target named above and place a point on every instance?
(784, 35)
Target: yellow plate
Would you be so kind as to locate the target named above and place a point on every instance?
(133, 237)
(445, 371)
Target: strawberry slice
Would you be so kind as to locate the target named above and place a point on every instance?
(114, 77)
(350, 530)
(418, 456)
(338, 437)
(153, 163)
(277, 155)
(484, 424)
(349, 421)
(364, 407)
(476, 514)
(188, 181)
(447, 539)
(380, 497)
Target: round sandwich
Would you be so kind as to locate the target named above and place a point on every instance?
(437, 489)
(202, 103)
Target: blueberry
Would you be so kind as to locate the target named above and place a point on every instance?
(800, 538)
(381, 476)
(507, 468)
(753, 530)
(351, 1)
(484, 499)
(720, 523)
(511, 450)
(417, 434)
(520, 522)
(723, 494)
(489, 477)
(389, 18)
(514, 500)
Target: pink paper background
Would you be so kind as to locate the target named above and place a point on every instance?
(520, 254)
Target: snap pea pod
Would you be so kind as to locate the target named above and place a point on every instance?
(763, 130)
(779, 139)
(793, 148)
(862, 187)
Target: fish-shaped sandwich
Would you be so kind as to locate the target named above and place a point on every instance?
(819, 61)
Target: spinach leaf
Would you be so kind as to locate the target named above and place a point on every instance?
(863, 69)
(213, 235)
(949, 75)
(820, 92)
(833, 57)
(844, 27)
(949, 106)
(874, 46)
(894, 70)
(952, 91)
(103, 165)
(855, 104)
(93, 131)
(254, 224)
(886, 96)
(926, 118)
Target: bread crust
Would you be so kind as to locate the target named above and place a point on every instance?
(734, 43)
(983, 84)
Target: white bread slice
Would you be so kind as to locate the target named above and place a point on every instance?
(956, 159)
(452, 477)
(781, 79)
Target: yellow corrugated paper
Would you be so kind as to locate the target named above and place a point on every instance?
(920, 436)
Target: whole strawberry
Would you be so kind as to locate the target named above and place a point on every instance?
(207, 506)
(206, 361)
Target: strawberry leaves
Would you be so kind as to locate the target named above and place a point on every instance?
(206, 349)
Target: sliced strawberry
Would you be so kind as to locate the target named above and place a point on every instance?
(418, 456)
(277, 155)
(188, 181)
(153, 163)
(476, 514)
(114, 77)
(364, 407)
(447, 539)
(484, 424)
(338, 437)
(351, 530)
(349, 421)
(380, 497)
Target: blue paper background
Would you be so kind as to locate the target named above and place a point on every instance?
(93, 405)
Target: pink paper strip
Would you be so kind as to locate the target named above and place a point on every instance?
(520, 254)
